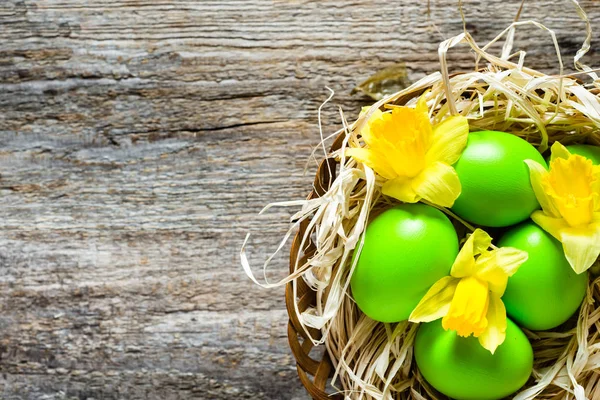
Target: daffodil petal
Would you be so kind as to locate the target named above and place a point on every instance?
(366, 130)
(495, 333)
(536, 173)
(401, 188)
(497, 265)
(373, 160)
(449, 139)
(559, 151)
(439, 184)
(552, 225)
(581, 246)
(464, 264)
(436, 302)
(481, 241)
(422, 104)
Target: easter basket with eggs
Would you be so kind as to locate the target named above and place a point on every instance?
(449, 247)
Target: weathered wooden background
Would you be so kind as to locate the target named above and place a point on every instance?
(138, 140)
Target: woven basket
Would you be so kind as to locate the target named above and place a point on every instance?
(315, 371)
(316, 368)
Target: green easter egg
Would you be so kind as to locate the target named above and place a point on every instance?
(406, 250)
(586, 150)
(463, 370)
(545, 291)
(496, 190)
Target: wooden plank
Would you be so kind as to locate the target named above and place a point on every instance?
(138, 140)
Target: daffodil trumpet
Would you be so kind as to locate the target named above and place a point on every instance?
(412, 155)
(569, 194)
(469, 301)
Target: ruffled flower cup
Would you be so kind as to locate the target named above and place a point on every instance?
(569, 194)
(469, 300)
(414, 156)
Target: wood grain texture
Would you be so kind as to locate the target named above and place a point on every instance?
(138, 141)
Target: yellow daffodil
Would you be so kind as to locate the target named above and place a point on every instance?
(415, 157)
(569, 194)
(469, 300)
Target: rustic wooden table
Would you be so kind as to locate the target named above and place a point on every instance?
(138, 140)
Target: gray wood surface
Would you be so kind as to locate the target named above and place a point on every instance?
(138, 140)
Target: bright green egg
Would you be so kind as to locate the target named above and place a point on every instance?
(545, 291)
(463, 370)
(496, 190)
(586, 150)
(406, 250)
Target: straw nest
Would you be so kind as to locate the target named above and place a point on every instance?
(365, 359)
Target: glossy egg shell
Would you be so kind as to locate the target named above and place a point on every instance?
(406, 250)
(586, 150)
(545, 291)
(463, 370)
(496, 189)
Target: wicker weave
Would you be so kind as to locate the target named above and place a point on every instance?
(313, 374)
